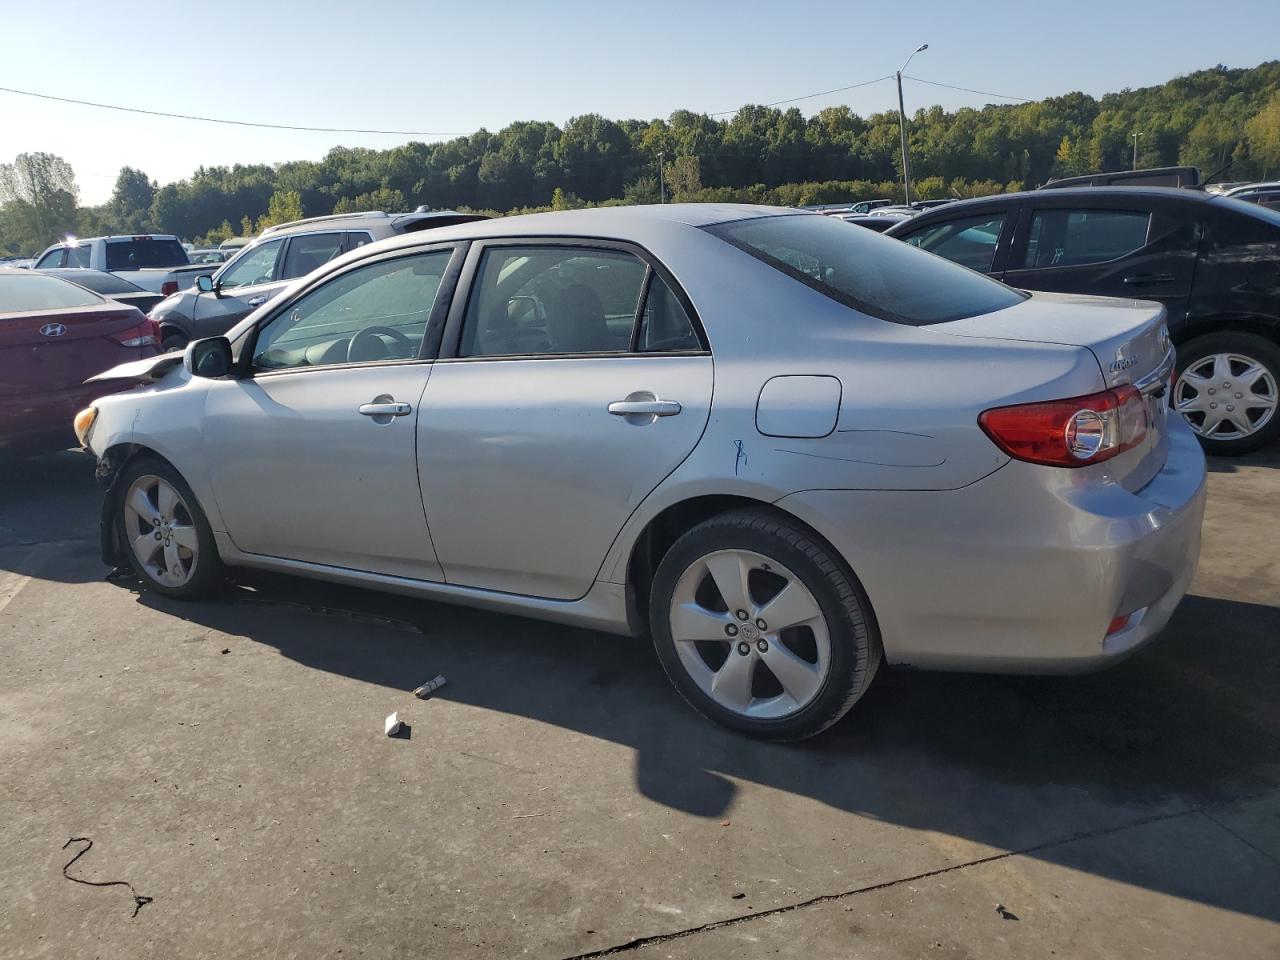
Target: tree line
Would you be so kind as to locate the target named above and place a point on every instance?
(1214, 119)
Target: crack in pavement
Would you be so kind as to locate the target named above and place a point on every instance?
(1200, 809)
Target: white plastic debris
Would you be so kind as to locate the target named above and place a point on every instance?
(393, 725)
(430, 687)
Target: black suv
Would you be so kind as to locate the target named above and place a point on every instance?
(1213, 262)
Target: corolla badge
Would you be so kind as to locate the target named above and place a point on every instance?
(53, 330)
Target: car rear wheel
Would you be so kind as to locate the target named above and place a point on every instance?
(761, 628)
(1227, 389)
(164, 533)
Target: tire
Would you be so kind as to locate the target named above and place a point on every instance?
(173, 342)
(184, 562)
(828, 659)
(1210, 368)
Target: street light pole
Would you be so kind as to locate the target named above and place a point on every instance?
(662, 186)
(902, 128)
(1136, 134)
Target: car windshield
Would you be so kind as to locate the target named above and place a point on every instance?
(27, 292)
(875, 275)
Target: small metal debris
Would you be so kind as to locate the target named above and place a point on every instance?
(393, 725)
(425, 691)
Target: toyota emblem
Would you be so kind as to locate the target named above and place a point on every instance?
(53, 330)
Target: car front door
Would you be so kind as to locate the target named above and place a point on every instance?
(572, 381)
(312, 451)
(244, 284)
(1120, 248)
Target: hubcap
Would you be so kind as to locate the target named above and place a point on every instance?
(750, 634)
(1226, 396)
(160, 531)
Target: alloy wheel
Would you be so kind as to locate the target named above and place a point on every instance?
(750, 634)
(1226, 396)
(160, 530)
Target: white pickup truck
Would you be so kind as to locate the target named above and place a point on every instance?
(155, 262)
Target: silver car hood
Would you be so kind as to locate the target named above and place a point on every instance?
(150, 369)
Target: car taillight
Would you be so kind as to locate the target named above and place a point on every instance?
(1074, 432)
(144, 334)
(168, 288)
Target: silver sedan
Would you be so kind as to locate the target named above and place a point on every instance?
(785, 449)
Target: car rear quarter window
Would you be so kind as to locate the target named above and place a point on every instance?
(31, 292)
(1073, 238)
(138, 253)
(969, 241)
(873, 274)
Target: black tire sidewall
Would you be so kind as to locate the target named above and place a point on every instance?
(853, 663)
(1248, 344)
(209, 572)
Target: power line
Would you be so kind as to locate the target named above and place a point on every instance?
(952, 86)
(810, 96)
(237, 123)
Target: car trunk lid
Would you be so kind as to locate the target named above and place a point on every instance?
(50, 350)
(1128, 338)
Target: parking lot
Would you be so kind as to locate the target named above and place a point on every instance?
(557, 799)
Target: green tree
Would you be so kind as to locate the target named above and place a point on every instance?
(684, 178)
(642, 190)
(285, 206)
(38, 194)
(131, 200)
(1263, 131)
(383, 198)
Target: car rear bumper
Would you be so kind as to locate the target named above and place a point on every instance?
(1025, 570)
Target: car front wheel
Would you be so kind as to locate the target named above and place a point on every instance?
(761, 628)
(1226, 390)
(163, 532)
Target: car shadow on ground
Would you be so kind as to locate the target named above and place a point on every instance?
(1190, 720)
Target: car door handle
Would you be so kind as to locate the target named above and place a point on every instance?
(260, 300)
(391, 409)
(652, 408)
(1143, 279)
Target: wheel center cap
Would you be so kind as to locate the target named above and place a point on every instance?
(749, 631)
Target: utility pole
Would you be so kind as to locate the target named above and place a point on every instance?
(902, 128)
(662, 184)
(1136, 135)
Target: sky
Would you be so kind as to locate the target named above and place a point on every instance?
(448, 68)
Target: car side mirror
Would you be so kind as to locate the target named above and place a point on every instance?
(210, 358)
(204, 283)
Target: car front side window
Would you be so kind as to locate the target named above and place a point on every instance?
(377, 312)
(256, 265)
(52, 259)
(970, 241)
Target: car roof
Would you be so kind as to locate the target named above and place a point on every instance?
(600, 222)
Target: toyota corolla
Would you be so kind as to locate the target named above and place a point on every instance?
(785, 449)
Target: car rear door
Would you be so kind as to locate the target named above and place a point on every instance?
(1122, 247)
(572, 380)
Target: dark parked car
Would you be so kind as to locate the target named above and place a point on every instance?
(1151, 177)
(109, 285)
(264, 268)
(1213, 262)
(53, 336)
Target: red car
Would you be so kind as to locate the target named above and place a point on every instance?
(54, 335)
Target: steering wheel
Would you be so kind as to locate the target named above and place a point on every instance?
(363, 345)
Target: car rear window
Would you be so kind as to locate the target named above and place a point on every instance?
(873, 274)
(24, 293)
(140, 252)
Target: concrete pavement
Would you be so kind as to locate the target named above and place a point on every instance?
(557, 799)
